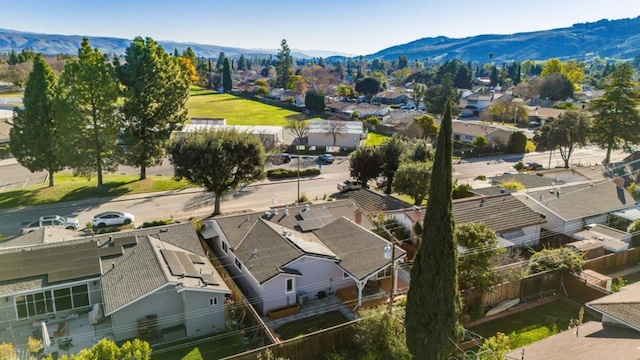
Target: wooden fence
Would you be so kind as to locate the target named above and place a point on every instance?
(309, 346)
(579, 290)
(613, 261)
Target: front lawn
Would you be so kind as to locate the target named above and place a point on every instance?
(238, 111)
(534, 324)
(72, 188)
(310, 324)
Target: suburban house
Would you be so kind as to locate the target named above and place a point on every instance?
(271, 136)
(474, 104)
(372, 202)
(155, 284)
(291, 255)
(348, 134)
(620, 309)
(401, 118)
(282, 95)
(365, 110)
(542, 114)
(569, 208)
(391, 97)
(513, 223)
(342, 108)
(467, 131)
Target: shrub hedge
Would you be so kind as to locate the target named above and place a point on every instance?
(281, 173)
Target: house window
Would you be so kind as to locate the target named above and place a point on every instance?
(213, 301)
(52, 301)
(385, 273)
(456, 137)
(238, 264)
(468, 137)
(289, 285)
(224, 246)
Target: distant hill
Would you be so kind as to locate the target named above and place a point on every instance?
(69, 44)
(617, 39)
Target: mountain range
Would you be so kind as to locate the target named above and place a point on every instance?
(613, 39)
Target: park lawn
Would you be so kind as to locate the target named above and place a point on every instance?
(238, 111)
(11, 94)
(376, 139)
(533, 324)
(72, 188)
(310, 324)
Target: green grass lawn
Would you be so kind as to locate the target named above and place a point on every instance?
(531, 325)
(11, 94)
(310, 324)
(210, 347)
(72, 188)
(376, 139)
(237, 111)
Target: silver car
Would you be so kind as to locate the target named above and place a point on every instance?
(111, 218)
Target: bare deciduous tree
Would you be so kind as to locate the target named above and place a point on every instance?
(334, 128)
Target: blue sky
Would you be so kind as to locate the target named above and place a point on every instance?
(347, 26)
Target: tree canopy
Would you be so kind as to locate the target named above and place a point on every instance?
(364, 164)
(283, 65)
(35, 137)
(390, 153)
(566, 133)
(412, 178)
(87, 107)
(368, 87)
(220, 161)
(433, 302)
(155, 93)
(476, 266)
(617, 120)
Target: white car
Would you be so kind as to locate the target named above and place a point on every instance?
(111, 218)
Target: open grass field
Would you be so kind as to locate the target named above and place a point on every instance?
(534, 324)
(72, 188)
(237, 111)
(310, 324)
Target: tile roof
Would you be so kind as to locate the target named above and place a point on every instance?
(529, 181)
(602, 197)
(623, 305)
(595, 342)
(374, 202)
(360, 251)
(498, 213)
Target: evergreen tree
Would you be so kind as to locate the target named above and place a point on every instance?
(283, 65)
(617, 121)
(155, 93)
(220, 61)
(242, 63)
(390, 154)
(35, 138)
(87, 100)
(433, 303)
(226, 76)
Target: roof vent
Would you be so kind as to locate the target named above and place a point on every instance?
(286, 212)
(164, 230)
(285, 231)
(306, 207)
(275, 212)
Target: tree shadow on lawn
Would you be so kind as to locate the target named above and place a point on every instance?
(18, 198)
(297, 116)
(229, 99)
(110, 189)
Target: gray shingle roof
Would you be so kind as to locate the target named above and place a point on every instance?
(491, 191)
(601, 197)
(264, 252)
(360, 251)
(623, 305)
(373, 202)
(130, 276)
(235, 227)
(498, 213)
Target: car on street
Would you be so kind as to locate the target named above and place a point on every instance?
(50, 221)
(112, 218)
(326, 158)
(534, 166)
(381, 181)
(349, 185)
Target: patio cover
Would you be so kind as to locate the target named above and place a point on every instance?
(632, 214)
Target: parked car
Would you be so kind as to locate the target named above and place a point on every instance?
(534, 166)
(50, 221)
(326, 158)
(279, 159)
(381, 181)
(111, 218)
(349, 185)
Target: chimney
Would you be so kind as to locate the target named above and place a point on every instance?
(357, 215)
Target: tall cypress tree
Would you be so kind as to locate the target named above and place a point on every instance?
(433, 303)
(35, 139)
(226, 76)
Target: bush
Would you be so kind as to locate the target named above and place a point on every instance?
(461, 191)
(281, 173)
(519, 166)
(111, 229)
(372, 120)
(512, 184)
(517, 143)
(480, 177)
(555, 259)
(160, 222)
